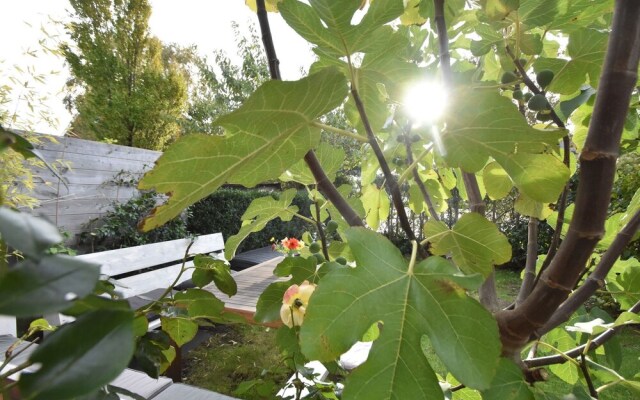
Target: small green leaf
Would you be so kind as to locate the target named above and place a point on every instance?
(218, 271)
(499, 9)
(81, 356)
(508, 384)
(531, 208)
(180, 330)
(625, 288)
(376, 205)
(496, 181)
(258, 214)
(199, 303)
(476, 244)
(29, 234)
(51, 285)
(567, 107)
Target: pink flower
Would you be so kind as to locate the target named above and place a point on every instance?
(294, 303)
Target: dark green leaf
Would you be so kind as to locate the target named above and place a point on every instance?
(569, 106)
(29, 234)
(218, 271)
(81, 356)
(508, 384)
(199, 303)
(31, 289)
(180, 330)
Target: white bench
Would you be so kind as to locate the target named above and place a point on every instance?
(141, 273)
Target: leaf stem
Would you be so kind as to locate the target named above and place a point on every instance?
(416, 178)
(339, 131)
(18, 368)
(323, 237)
(391, 182)
(414, 255)
(414, 164)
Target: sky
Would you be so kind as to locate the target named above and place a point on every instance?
(205, 23)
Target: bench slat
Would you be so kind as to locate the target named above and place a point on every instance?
(148, 281)
(121, 261)
(181, 391)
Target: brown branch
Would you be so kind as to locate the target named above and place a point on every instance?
(325, 186)
(587, 376)
(530, 267)
(577, 351)
(566, 144)
(323, 238)
(390, 181)
(487, 292)
(596, 280)
(416, 177)
(597, 170)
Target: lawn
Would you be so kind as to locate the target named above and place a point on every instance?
(241, 353)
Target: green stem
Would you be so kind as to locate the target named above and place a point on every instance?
(560, 353)
(175, 281)
(414, 256)
(405, 175)
(339, 131)
(19, 368)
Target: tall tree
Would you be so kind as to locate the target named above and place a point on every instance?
(131, 94)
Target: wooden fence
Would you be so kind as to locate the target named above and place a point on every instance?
(97, 175)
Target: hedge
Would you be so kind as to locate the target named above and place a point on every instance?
(222, 212)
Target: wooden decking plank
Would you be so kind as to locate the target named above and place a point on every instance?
(251, 283)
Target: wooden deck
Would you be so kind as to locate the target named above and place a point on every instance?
(251, 283)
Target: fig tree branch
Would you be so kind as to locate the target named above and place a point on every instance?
(390, 181)
(530, 266)
(487, 292)
(597, 171)
(416, 177)
(577, 351)
(325, 186)
(596, 280)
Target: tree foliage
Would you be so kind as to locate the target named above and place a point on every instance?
(122, 89)
(490, 142)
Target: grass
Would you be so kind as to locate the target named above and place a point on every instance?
(238, 354)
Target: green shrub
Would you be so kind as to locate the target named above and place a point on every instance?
(222, 212)
(119, 228)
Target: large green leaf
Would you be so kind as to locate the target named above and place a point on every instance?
(331, 159)
(260, 212)
(476, 243)
(586, 48)
(327, 23)
(31, 235)
(268, 134)
(474, 133)
(410, 301)
(50, 285)
(81, 356)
